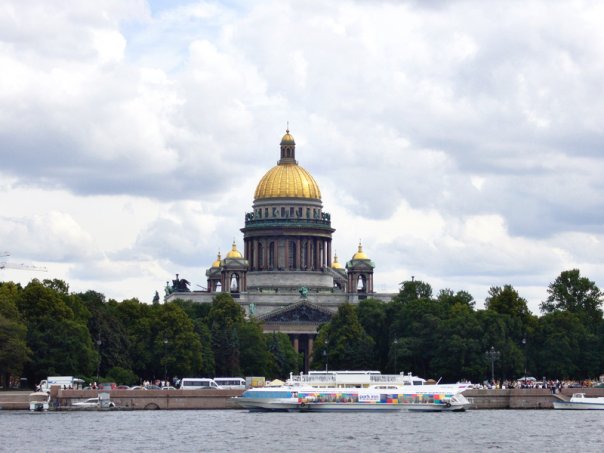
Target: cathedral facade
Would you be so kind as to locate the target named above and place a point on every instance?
(286, 277)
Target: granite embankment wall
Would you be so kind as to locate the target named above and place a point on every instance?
(220, 399)
(156, 399)
(523, 398)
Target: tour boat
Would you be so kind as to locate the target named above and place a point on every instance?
(580, 401)
(354, 391)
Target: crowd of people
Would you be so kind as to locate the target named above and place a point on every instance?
(554, 385)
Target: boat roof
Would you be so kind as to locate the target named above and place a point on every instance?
(352, 378)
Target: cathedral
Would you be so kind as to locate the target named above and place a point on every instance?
(285, 276)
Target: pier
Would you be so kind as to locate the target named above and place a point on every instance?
(221, 399)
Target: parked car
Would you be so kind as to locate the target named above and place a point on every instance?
(137, 387)
(152, 387)
(169, 387)
(123, 387)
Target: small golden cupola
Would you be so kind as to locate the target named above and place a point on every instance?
(234, 253)
(360, 255)
(217, 262)
(335, 264)
(288, 139)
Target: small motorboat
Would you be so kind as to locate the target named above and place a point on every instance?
(581, 402)
(39, 401)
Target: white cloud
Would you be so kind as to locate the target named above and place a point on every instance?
(460, 141)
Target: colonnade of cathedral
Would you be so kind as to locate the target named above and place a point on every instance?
(276, 253)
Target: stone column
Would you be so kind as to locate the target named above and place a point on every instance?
(310, 352)
(298, 255)
(296, 342)
(255, 262)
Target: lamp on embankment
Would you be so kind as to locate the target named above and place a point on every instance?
(492, 355)
(165, 359)
(98, 364)
(525, 356)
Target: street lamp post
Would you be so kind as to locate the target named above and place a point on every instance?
(525, 357)
(492, 355)
(165, 359)
(326, 355)
(98, 364)
(395, 344)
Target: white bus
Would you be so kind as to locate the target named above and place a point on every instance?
(233, 383)
(198, 383)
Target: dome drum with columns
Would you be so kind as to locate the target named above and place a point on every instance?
(285, 276)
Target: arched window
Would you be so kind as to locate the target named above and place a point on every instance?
(361, 284)
(234, 283)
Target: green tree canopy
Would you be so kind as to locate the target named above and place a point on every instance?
(347, 344)
(573, 293)
(285, 359)
(176, 346)
(225, 317)
(60, 342)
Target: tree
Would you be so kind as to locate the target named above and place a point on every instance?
(348, 345)
(459, 351)
(105, 326)
(372, 316)
(254, 357)
(285, 359)
(176, 346)
(225, 317)
(507, 309)
(14, 353)
(414, 289)
(139, 323)
(573, 293)
(208, 367)
(415, 324)
(507, 301)
(60, 342)
(558, 340)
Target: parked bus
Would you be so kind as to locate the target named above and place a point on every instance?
(198, 383)
(234, 383)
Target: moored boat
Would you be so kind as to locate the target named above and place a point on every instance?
(355, 391)
(581, 402)
(39, 401)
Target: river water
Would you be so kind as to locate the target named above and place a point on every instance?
(237, 430)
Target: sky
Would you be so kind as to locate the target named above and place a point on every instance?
(461, 142)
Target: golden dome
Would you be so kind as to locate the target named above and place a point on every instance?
(335, 264)
(234, 253)
(360, 255)
(217, 262)
(288, 139)
(287, 180)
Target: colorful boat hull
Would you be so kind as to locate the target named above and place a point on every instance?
(352, 399)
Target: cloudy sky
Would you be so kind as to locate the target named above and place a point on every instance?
(461, 141)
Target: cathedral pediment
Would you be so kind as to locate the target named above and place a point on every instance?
(300, 312)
